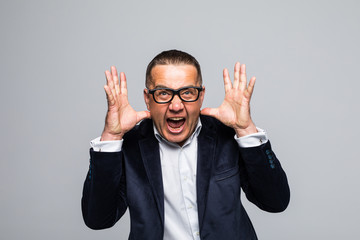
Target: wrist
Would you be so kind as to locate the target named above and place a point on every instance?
(242, 132)
(105, 136)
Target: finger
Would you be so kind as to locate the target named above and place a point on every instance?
(243, 80)
(109, 96)
(250, 88)
(210, 112)
(142, 115)
(227, 80)
(115, 79)
(109, 81)
(236, 75)
(123, 84)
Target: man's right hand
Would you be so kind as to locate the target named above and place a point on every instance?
(121, 117)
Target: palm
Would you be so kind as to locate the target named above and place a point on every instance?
(234, 110)
(116, 123)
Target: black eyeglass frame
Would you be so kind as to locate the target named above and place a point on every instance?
(175, 92)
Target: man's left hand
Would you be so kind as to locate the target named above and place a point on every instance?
(235, 109)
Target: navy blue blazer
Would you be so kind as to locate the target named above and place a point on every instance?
(132, 179)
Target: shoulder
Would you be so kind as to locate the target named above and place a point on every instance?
(211, 124)
(141, 130)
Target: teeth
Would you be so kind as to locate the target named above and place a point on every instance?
(176, 118)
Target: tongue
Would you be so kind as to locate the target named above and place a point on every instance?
(175, 124)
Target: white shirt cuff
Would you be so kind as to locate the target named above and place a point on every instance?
(106, 146)
(252, 140)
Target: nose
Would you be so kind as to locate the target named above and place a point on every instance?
(176, 104)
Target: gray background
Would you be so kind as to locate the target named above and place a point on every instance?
(53, 54)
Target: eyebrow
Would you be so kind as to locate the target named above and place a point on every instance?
(163, 86)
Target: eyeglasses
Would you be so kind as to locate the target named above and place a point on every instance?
(186, 94)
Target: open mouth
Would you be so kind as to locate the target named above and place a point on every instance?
(175, 124)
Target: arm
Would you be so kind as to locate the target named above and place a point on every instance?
(104, 192)
(262, 178)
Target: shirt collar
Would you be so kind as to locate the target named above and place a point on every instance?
(161, 139)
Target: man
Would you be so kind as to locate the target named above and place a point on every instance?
(181, 171)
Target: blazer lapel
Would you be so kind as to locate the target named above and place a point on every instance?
(206, 153)
(149, 148)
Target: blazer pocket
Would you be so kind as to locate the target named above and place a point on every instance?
(227, 173)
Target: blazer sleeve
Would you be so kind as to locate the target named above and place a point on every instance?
(104, 194)
(262, 178)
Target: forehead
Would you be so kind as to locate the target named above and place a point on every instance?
(174, 76)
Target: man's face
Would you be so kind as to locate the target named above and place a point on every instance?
(176, 120)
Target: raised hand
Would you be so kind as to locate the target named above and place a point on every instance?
(235, 109)
(121, 117)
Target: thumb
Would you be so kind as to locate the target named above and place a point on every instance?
(213, 112)
(142, 115)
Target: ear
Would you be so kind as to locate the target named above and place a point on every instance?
(147, 99)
